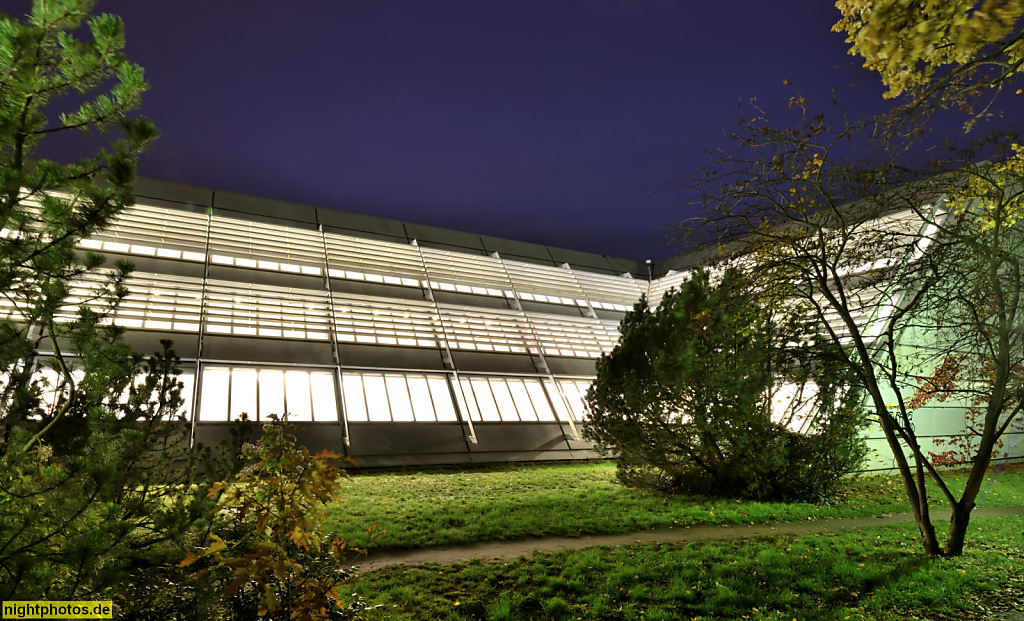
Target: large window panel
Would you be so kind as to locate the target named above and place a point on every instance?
(422, 404)
(539, 399)
(442, 398)
(229, 392)
(297, 397)
(506, 407)
(398, 398)
(325, 405)
(213, 400)
(556, 400)
(575, 393)
(51, 385)
(517, 388)
(271, 393)
(355, 400)
(188, 381)
(243, 394)
(467, 401)
(485, 400)
(377, 405)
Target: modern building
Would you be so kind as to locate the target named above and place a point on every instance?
(393, 343)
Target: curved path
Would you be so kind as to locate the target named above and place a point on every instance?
(511, 550)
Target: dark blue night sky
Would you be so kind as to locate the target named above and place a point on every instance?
(552, 121)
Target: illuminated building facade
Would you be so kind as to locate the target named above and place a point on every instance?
(390, 342)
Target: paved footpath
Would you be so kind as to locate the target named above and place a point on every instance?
(511, 550)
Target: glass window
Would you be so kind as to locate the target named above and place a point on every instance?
(442, 398)
(539, 399)
(398, 398)
(188, 380)
(271, 393)
(467, 403)
(213, 401)
(325, 405)
(506, 407)
(575, 392)
(297, 396)
(522, 399)
(422, 404)
(243, 394)
(555, 399)
(376, 398)
(484, 400)
(355, 403)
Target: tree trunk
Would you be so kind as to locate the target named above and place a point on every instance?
(958, 529)
(929, 541)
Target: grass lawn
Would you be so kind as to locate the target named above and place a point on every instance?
(452, 506)
(877, 573)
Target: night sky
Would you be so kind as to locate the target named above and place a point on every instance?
(552, 121)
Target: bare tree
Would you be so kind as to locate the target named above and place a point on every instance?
(899, 267)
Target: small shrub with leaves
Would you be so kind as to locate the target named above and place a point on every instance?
(270, 558)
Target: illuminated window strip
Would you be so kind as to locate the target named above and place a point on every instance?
(307, 396)
(397, 397)
(162, 252)
(506, 399)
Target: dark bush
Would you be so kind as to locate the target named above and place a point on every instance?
(685, 399)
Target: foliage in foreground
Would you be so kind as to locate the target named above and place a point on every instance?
(955, 51)
(869, 574)
(268, 556)
(686, 400)
(87, 494)
(76, 524)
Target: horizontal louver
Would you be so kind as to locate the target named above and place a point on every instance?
(570, 336)
(266, 246)
(487, 330)
(356, 258)
(261, 310)
(466, 273)
(385, 321)
(544, 283)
